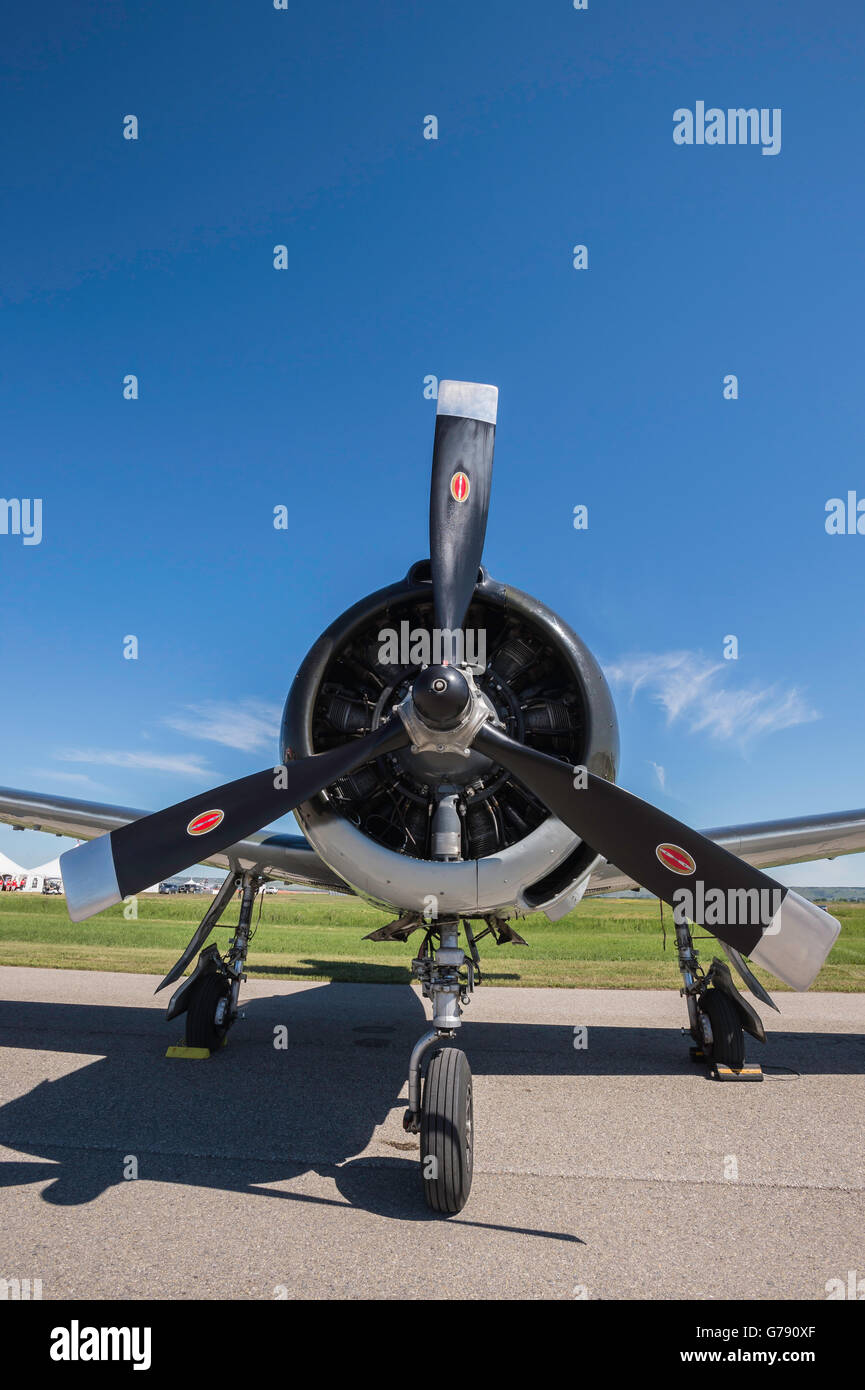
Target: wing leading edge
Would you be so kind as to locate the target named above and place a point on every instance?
(768, 844)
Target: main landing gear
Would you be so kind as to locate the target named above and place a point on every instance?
(718, 1015)
(209, 996)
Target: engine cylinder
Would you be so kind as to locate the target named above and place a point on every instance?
(547, 691)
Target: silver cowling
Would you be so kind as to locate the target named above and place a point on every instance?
(545, 869)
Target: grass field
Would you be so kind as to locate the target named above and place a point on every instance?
(606, 943)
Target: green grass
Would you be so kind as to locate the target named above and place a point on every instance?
(610, 943)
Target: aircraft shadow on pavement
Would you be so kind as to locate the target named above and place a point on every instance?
(257, 1113)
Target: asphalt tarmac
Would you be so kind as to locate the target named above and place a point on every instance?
(614, 1170)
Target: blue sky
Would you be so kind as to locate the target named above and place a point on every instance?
(411, 257)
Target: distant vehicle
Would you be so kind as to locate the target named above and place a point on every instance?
(190, 887)
(168, 887)
(52, 885)
(271, 888)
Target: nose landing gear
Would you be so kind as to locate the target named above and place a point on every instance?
(440, 1108)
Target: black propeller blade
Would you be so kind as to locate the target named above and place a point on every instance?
(459, 499)
(114, 866)
(743, 907)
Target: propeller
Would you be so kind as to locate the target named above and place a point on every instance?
(743, 907)
(114, 866)
(459, 501)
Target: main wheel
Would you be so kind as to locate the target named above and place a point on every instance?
(446, 1136)
(202, 1030)
(728, 1035)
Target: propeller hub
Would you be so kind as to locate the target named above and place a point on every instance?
(441, 696)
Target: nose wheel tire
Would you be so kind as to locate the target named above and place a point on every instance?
(446, 1132)
(202, 1030)
(728, 1035)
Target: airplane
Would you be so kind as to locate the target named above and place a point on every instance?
(459, 794)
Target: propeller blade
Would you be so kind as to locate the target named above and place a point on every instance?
(459, 499)
(740, 905)
(114, 866)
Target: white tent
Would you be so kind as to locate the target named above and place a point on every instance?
(36, 877)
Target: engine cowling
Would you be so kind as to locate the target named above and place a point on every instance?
(374, 828)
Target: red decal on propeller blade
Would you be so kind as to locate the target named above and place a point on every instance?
(675, 858)
(208, 820)
(460, 487)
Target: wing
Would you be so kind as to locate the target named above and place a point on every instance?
(768, 844)
(279, 856)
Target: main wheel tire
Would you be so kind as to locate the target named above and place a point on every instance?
(201, 1027)
(447, 1131)
(728, 1035)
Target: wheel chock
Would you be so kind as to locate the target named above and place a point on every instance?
(751, 1071)
(696, 1054)
(194, 1054)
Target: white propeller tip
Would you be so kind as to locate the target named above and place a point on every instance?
(89, 878)
(797, 941)
(469, 400)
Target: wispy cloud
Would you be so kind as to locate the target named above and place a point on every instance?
(691, 687)
(249, 725)
(660, 773)
(79, 778)
(147, 762)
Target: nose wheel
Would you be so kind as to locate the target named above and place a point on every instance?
(446, 1131)
(440, 1105)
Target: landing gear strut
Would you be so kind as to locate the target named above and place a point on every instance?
(718, 1016)
(209, 996)
(440, 1108)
